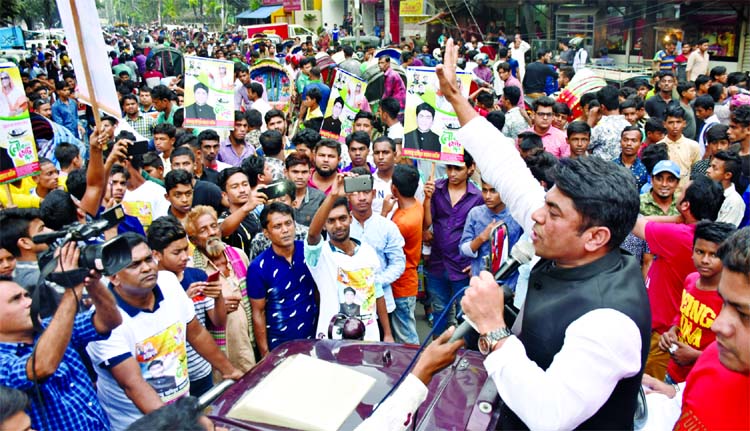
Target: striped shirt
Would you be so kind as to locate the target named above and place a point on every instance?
(198, 367)
(70, 401)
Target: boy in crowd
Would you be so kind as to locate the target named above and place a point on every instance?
(704, 111)
(408, 217)
(69, 158)
(629, 110)
(154, 166)
(446, 206)
(579, 136)
(168, 241)
(687, 95)
(682, 150)
(478, 230)
(691, 332)
(630, 145)
(655, 132)
(358, 145)
(179, 187)
(562, 112)
(725, 168)
(164, 137)
(312, 100)
(716, 139)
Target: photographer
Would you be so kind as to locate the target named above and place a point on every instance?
(47, 365)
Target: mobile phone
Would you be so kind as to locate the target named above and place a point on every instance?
(213, 277)
(113, 215)
(275, 190)
(138, 147)
(360, 183)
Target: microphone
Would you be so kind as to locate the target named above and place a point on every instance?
(520, 254)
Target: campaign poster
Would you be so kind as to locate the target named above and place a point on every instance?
(347, 99)
(430, 124)
(209, 93)
(18, 156)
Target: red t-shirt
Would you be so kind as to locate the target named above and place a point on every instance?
(672, 245)
(715, 398)
(698, 309)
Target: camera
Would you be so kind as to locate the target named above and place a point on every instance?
(108, 257)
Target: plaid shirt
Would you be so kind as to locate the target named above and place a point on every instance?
(69, 398)
(144, 125)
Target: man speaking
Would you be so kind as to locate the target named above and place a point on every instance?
(582, 337)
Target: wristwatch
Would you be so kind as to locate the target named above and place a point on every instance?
(488, 341)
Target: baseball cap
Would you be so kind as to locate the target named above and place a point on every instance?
(667, 166)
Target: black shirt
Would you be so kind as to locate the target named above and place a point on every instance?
(210, 175)
(246, 231)
(535, 77)
(656, 107)
(205, 193)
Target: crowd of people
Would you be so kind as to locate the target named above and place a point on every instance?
(244, 239)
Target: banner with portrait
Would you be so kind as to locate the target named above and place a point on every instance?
(209, 93)
(347, 99)
(430, 124)
(18, 155)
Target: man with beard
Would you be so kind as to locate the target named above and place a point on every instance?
(234, 150)
(343, 262)
(212, 255)
(325, 160)
(152, 314)
(240, 223)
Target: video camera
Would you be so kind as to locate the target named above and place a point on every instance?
(108, 257)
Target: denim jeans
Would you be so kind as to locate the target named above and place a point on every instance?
(441, 290)
(403, 323)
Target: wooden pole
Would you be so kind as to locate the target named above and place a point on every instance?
(85, 64)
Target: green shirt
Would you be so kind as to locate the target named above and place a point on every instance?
(650, 208)
(302, 81)
(163, 119)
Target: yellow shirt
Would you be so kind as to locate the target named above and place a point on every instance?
(685, 152)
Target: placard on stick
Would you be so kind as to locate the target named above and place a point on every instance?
(88, 53)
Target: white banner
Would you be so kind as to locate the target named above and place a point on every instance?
(91, 46)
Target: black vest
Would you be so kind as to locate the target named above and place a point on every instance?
(556, 297)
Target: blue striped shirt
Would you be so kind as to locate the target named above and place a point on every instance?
(69, 398)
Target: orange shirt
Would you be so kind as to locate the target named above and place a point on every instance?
(409, 222)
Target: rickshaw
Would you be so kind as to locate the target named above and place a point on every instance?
(275, 79)
(327, 67)
(375, 81)
(167, 60)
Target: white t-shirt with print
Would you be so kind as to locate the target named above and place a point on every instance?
(335, 271)
(147, 202)
(157, 340)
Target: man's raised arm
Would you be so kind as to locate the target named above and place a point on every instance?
(494, 153)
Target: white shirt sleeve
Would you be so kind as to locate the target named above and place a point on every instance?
(502, 166)
(397, 412)
(601, 347)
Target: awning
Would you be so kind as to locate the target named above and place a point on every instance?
(262, 12)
